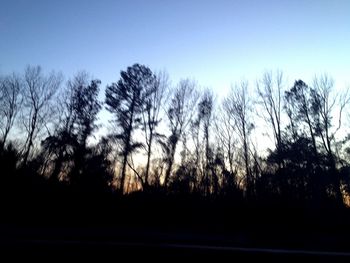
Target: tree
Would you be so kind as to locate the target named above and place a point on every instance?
(38, 93)
(239, 106)
(59, 147)
(310, 110)
(69, 143)
(270, 92)
(126, 100)
(301, 107)
(10, 104)
(86, 107)
(324, 103)
(205, 111)
(97, 174)
(225, 136)
(150, 116)
(179, 113)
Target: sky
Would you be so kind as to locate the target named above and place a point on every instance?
(216, 42)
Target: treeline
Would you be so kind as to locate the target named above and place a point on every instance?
(176, 139)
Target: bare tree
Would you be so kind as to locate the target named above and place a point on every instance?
(10, 103)
(205, 111)
(179, 113)
(225, 127)
(38, 93)
(58, 149)
(269, 89)
(238, 105)
(151, 116)
(324, 104)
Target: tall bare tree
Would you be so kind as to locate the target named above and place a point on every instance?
(325, 103)
(269, 89)
(239, 106)
(225, 127)
(79, 109)
(151, 116)
(38, 93)
(10, 103)
(179, 113)
(58, 148)
(205, 113)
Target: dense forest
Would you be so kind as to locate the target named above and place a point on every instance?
(169, 148)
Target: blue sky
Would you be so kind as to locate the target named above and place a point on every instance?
(216, 42)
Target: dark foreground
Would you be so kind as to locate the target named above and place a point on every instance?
(163, 227)
(111, 243)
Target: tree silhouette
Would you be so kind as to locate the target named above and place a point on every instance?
(205, 111)
(302, 108)
(239, 106)
(69, 143)
(38, 92)
(10, 104)
(96, 173)
(180, 111)
(126, 100)
(208, 164)
(151, 118)
(270, 92)
(225, 136)
(86, 107)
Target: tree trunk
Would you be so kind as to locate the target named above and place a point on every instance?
(170, 162)
(149, 152)
(30, 143)
(30, 137)
(127, 147)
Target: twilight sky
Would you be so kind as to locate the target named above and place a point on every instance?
(216, 42)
